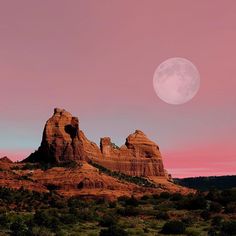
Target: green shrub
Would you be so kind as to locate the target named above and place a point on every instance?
(40, 231)
(131, 201)
(217, 221)
(30, 166)
(112, 205)
(213, 232)
(49, 219)
(173, 227)
(230, 208)
(192, 202)
(19, 228)
(192, 232)
(162, 215)
(113, 230)
(75, 202)
(128, 211)
(145, 197)
(197, 202)
(228, 196)
(86, 214)
(165, 195)
(107, 220)
(229, 228)
(176, 197)
(4, 220)
(215, 207)
(213, 195)
(188, 221)
(68, 218)
(205, 214)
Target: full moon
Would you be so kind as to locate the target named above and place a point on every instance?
(176, 81)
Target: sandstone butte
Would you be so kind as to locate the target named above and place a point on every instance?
(63, 142)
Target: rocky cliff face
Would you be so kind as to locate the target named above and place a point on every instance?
(63, 141)
(138, 156)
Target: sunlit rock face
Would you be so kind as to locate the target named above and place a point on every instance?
(63, 141)
(60, 142)
(137, 157)
(141, 147)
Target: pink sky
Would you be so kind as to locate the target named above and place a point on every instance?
(97, 59)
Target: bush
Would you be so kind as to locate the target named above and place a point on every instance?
(3, 220)
(198, 202)
(217, 221)
(113, 230)
(19, 228)
(205, 214)
(49, 219)
(229, 228)
(228, 196)
(173, 227)
(192, 232)
(30, 166)
(132, 201)
(165, 195)
(192, 202)
(162, 215)
(40, 231)
(213, 195)
(212, 232)
(74, 202)
(128, 211)
(107, 220)
(145, 197)
(176, 197)
(188, 221)
(231, 208)
(112, 205)
(215, 207)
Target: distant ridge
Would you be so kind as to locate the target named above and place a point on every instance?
(207, 183)
(5, 160)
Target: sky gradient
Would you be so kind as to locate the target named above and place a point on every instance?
(96, 59)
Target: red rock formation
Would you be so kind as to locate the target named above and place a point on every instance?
(84, 180)
(60, 142)
(90, 149)
(63, 141)
(6, 163)
(138, 157)
(141, 147)
(5, 160)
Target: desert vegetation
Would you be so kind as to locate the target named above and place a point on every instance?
(24, 213)
(205, 183)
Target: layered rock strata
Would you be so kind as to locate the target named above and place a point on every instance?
(63, 141)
